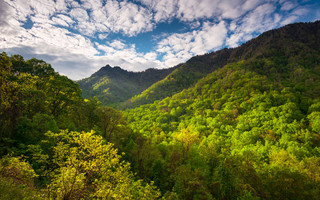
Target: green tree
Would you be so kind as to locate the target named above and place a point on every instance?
(62, 93)
(10, 96)
(88, 168)
(110, 123)
(17, 179)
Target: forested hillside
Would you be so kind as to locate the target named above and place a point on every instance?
(289, 40)
(113, 85)
(235, 133)
(56, 145)
(249, 130)
(243, 127)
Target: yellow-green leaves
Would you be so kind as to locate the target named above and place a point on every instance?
(19, 171)
(88, 168)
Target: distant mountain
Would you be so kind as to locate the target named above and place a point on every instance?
(112, 85)
(247, 130)
(284, 43)
(115, 86)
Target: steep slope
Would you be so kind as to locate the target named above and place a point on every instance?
(290, 40)
(112, 85)
(230, 90)
(249, 129)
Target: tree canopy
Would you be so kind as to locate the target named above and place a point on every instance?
(248, 129)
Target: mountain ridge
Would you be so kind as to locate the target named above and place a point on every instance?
(197, 67)
(112, 85)
(248, 130)
(184, 75)
(250, 125)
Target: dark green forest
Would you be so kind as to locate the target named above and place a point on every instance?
(236, 124)
(113, 85)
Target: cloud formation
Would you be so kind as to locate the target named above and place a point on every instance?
(190, 10)
(79, 37)
(180, 47)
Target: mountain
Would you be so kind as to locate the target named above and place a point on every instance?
(248, 130)
(131, 89)
(288, 41)
(112, 85)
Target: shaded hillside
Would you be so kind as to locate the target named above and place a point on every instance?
(296, 39)
(112, 85)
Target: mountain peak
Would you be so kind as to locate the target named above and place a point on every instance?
(114, 84)
(287, 43)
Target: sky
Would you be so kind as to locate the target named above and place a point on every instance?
(78, 37)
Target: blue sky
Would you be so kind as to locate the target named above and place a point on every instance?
(77, 37)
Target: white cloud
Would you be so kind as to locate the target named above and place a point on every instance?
(300, 11)
(289, 20)
(77, 57)
(190, 10)
(164, 10)
(234, 9)
(65, 18)
(180, 47)
(43, 7)
(22, 9)
(61, 6)
(116, 17)
(59, 21)
(257, 21)
(91, 16)
(64, 32)
(70, 53)
(288, 5)
(152, 56)
(257, 18)
(127, 57)
(79, 14)
(117, 44)
(6, 19)
(127, 18)
(102, 36)
(263, 18)
(234, 39)
(92, 4)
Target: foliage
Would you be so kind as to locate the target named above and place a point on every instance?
(16, 179)
(19, 171)
(235, 134)
(289, 46)
(88, 168)
(34, 99)
(248, 129)
(113, 85)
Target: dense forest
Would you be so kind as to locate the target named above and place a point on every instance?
(57, 145)
(289, 40)
(113, 85)
(245, 128)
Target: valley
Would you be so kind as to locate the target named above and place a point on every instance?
(238, 123)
